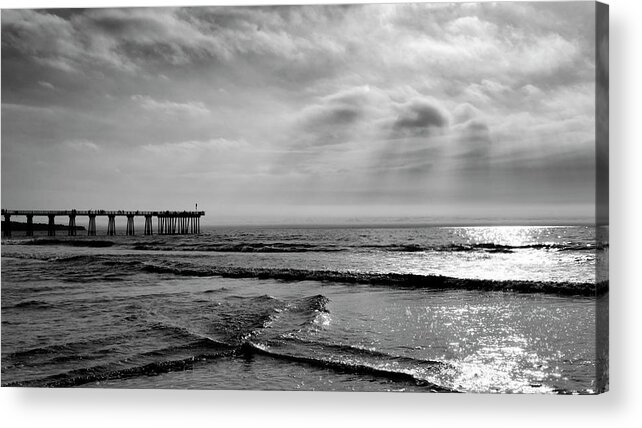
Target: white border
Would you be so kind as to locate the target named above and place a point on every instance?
(158, 408)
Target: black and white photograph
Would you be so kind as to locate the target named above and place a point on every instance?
(403, 197)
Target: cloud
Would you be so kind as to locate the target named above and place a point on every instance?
(194, 148)
(36, 33)
(531, 90)
(82, 145)
(170, 107)
(426, 104)
(419, 116)
(471, 26)
(307, 43)
(56, 42)
(211, 158)
(464, 112)
(46, 85)
(475, 129)
(474, 142)
(135, 39)
(340, 117)
(368, 113)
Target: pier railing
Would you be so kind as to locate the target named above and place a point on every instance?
(168, 222)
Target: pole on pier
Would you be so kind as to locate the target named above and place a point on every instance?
(7, 225)
(111, 225)
(29, 225)
(51, 229)
(91, 229)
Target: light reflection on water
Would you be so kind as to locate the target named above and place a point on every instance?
(508, 235)
(494, 342)
(522, 264)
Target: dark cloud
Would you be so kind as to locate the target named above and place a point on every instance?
(474, 143)
(476, 130)
(337, 117)
(419, 117)
(36, 34)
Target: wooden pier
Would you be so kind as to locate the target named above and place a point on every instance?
(168, 222)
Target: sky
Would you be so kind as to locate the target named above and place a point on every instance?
(451, 112)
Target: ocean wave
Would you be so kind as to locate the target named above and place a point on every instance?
(186, 333)
(360, 352)
(80, 258)
(352, 367)
(114, 371)
(335, 357)
(295, 315)
(226, 331)
(434, 376)
(216, 290)
(503, 248)
(315, 303)
(72, 348)
(227, 322)
(92, 243)
(243, 247)
(236, 319)
(173, 359)
(30, 304)
(401, 280)
(301, 247)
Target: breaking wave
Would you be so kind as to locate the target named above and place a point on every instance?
(91, 243)
(298, 247)
(435, 282)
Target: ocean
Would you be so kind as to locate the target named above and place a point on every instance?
(416, 308)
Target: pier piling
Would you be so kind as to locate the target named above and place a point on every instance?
(71, 230)
(111, 225)
(91, 228)
(51, 230)
(130, 225)
(7, 227)
(148, 225)
(30, 225)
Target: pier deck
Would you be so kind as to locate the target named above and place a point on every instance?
(168, 222)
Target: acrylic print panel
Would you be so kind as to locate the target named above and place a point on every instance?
(386, 197)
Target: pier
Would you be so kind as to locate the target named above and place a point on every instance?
(168, 222)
